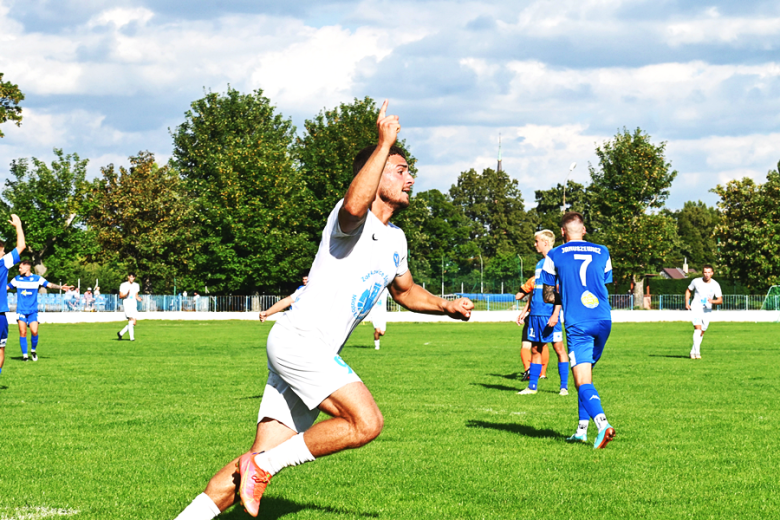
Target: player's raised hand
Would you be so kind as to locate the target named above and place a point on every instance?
(263, 316)
(15, 222)
(460, 309)
(387, 126)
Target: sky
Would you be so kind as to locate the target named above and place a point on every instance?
(107, 79)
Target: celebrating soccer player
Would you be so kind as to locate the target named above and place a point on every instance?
(9, 260)
(26, 285)
(360, 254)
(128, 293)
(706, 293)
(581, 270)
(543, 323)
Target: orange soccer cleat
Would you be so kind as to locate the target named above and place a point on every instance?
(254, 480)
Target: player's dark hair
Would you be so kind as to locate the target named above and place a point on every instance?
(132, 274)
(571, 217)
(707, 266)
(26, 262)
(362, 157)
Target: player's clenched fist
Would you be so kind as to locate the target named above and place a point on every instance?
(459, 309)
(387, 126)
(15, 222)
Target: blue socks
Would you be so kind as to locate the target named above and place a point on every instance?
(23, 344)
(536, 370)
(590, 400)
(563, 372)
(34, 343)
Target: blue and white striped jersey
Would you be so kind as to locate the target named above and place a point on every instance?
(9, 260)
(27, 292)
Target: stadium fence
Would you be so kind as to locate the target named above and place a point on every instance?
(257, 303)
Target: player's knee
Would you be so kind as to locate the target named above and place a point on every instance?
(368, 427)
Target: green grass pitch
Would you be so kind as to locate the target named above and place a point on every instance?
(135, 430)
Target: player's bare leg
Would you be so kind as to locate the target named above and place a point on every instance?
(698, 335)
(378, 333)
(525, 357)
(2, 357)
(545, 361)
(34, 344)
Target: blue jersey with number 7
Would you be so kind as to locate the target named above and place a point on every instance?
(581, 270)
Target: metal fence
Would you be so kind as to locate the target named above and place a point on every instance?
(257, 303)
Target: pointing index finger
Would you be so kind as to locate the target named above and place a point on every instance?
(382, 111)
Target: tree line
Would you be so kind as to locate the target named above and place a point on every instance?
(240, 206)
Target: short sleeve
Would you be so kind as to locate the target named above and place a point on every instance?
(608, 271)
(44, 282)
(549, 272)
(335, 226)
(718, 292)
(11, 259)
(528, 286)
(692, 285)
(403, 264)
(13, 282)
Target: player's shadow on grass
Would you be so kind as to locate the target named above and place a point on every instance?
(519, 429)
(676, 356)
(514, 376)
(3, 387)
(251, 397)
(273, 508)
(361, 346)
(496, 387)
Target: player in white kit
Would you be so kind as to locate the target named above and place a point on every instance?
(360, 254)
(128, 293)
(378, 318)
(706, 293)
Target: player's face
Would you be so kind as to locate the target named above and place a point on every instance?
(396, 183)
(131, 278)
(305, 280)
(540, 244)
(707, 274)
(24, 269)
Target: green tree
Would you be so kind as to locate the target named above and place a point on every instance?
(547, 213)
(10, 97)
(749, 231)
(493, 202)
(696, 224)
(633, 178)
(143, 219)
(233, 152)
(52, 202)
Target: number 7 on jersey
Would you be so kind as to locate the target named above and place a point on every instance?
(586, 259)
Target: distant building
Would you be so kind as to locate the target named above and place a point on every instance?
(672, 273)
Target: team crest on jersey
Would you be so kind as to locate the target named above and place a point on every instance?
(589, 300)
(396, 258)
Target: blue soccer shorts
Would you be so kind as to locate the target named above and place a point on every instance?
(27, 318)
(3, 330)
(586, 341)
(539, 332)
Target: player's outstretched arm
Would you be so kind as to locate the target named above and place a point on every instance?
(20, 243)
(276, 307)
(362, 190)
(413, 297)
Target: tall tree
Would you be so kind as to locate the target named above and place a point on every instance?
(10, 97)
(633, 178)
(143, 215)
(52, 202)
(549, 205)
(696, 224)
(233, 151)
(493, 202)
(749, 231)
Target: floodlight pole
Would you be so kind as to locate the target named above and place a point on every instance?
(571, 169)
(481, 276)
(442, 276)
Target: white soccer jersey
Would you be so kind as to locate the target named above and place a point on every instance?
(132, 289)
(701, 292)
(347, 276)
(378, 314)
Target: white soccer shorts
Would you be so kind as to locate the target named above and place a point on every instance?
(380, 324)
(303, 372)
(701, 318)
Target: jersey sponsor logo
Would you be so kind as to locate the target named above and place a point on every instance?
(343, 363)
(557, 336)
(362, 305)
(597, 398)
(26, 293)
(374, 236)
(589, 300)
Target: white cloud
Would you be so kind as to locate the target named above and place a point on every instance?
(120, 17)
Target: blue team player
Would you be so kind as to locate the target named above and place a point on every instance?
(9, 260)
(26, 285)
(543, 323)
(581, 270)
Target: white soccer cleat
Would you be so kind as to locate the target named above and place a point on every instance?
(563, 391)
(527, 391)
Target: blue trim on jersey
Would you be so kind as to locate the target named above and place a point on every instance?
(27, 318)
(539, 307)
(539, 332)
(586, 341)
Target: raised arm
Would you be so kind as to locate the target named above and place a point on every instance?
(20, 243)
(362, 190)
(416, 299)
(276, 307)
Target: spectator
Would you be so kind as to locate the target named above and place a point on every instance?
(89, 300)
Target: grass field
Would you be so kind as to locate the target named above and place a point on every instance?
(104, 429)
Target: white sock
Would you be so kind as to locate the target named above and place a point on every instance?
(202, 508)
(288, 453)
(697, 338)
(131, 331)
(582, 427)
(376, 344)
(601, 421)
(123, 331)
